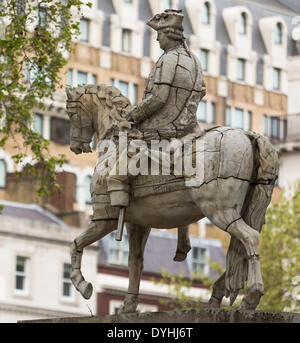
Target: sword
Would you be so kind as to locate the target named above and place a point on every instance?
(120, 227)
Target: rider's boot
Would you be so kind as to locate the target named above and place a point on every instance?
(183, 244)
(118, 190)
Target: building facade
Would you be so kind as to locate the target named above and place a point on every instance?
(35, 266)
(250, 66)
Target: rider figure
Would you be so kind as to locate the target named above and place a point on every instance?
(173, 92)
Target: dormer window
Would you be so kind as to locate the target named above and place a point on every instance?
(205, 13)
(126, 40)
(241, 64)
(243, 24)
(278, 34)
(167, 4)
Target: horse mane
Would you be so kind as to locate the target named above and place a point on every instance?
(114, 103)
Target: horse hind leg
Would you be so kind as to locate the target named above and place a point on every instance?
(95, 231)
(249, 237)
(137, 237)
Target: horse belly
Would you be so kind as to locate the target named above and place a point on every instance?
(167, 210)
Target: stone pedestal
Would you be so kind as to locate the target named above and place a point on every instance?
(184, 316)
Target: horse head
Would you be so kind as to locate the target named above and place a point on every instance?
(81, 119)
(95, 109)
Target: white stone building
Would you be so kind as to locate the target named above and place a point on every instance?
(35, 266)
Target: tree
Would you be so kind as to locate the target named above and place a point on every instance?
(280, 254)
(34, 35)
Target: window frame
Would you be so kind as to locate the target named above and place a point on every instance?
(126, 32)
(277, 77)
(242, 24)
(24, 274)
(71, 297)
(241, 62)
(35, 115)
(2, 186)
(199, 260)
(86, 38)
(206, 13)
(204, 52)
(278, 33)
(121, 247)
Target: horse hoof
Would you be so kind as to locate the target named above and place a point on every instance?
(250, 301)
(213, 303)
(86, 289)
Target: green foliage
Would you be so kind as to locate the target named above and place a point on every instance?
(179, 286)
(280, 255)
(33, 37)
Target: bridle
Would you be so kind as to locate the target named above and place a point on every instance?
(81, 120)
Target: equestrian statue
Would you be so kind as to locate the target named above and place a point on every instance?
(234, 189)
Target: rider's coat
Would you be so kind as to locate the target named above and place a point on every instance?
(173, 92)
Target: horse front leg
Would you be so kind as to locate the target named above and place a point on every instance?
(137, 237)
(95, 231)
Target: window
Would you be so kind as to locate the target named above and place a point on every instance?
(133, 95)
(238, 119)
(81, 78)
(70, 77)
(211, 115)
(20, 7)
(276, 79)
(206, 112)
(166, 4)
(204, 59)
(75, 188)
(242, 24)
(201, 111)
(2, 174)
(126, 40)
(205, 13)
(278, 34)
(38, 123)
(84, 26)
(87, 183)
(265, 125)
(118, 251)
(93, 79)
(199, 260)
(67, 287)
(42, 16)
(241, 69)
(248, 120)
(228, 116)
(274, 127)
(31, 71)
(21, 274)
(60, 130)
(123, 87)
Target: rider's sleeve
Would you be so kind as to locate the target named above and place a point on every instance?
(159, 95)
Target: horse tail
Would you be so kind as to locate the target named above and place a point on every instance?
(265, 173)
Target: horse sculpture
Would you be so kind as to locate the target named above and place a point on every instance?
(240, 169)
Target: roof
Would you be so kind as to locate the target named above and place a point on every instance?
(160, 250)
(28, 211)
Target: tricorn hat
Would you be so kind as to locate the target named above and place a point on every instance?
(168, 18)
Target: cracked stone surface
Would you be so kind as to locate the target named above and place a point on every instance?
(184, 316)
